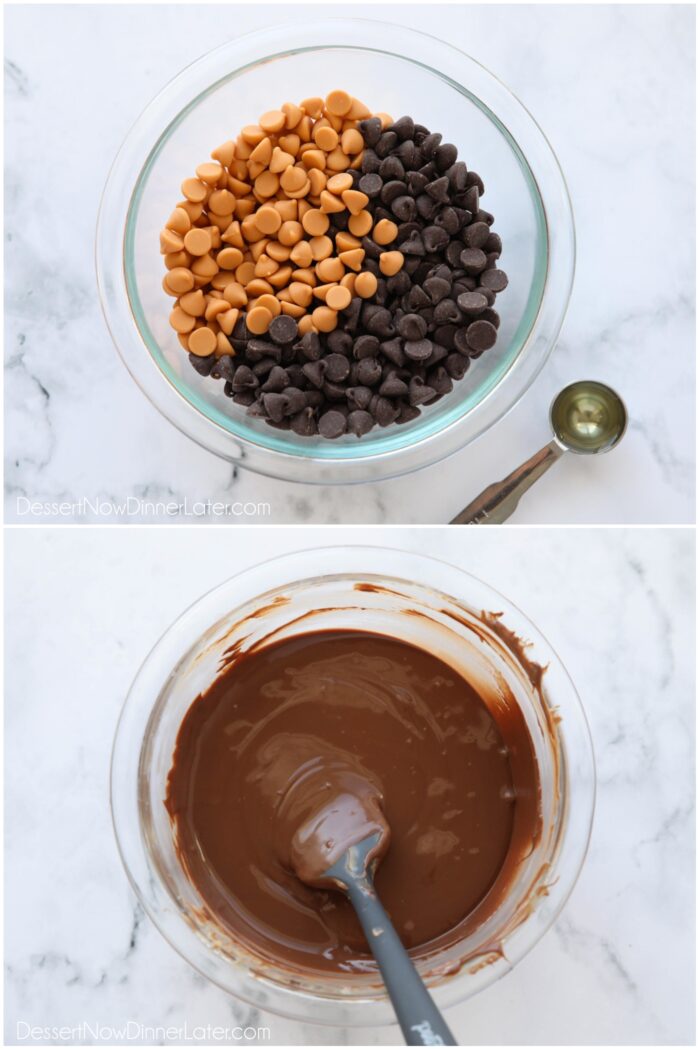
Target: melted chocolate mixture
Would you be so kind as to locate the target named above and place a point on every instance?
(308, 744)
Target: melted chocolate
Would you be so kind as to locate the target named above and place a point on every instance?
(308, 744)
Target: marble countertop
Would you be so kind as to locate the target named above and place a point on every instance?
(612, 88)
(618, 965)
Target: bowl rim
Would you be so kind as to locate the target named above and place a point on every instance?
(389, 454)
(285, 569)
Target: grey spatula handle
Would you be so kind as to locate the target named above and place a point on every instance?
(421, 1022)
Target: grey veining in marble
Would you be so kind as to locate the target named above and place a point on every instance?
(612, 87)
(617, 605)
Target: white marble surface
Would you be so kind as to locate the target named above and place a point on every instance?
(612, 88)
(618, 966)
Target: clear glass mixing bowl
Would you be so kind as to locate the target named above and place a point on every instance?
(414, 73)
(248, 607)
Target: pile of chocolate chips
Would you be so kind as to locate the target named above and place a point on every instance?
(405, 346)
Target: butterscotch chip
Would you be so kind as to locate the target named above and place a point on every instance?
(194, 190)
(224, 153)
(193, 209)
(228, 320)
(181, 321)
(336, 160)
(344, 242)
(278, 252)
(229, 258)
(273, 121)
(292, 310)
(258, 249)
(252, 134)
(288, 210)
(355, 201)
(330, 270)
(293, 114)
(390, 263)
(245, 273)
(360, 224)
(245, 207)
(315, 222)
(269, 302)
(352, 259)
(267, 184)
(223, 347)
(292, 179)
(198, 242)
(314, 158)
(317, 182)
(358, 111)
(338, 298)
(330, 202)
(221, 202)
(170, 242)
(385, 118)
(216, 307)
(268, 219)
(339, 183)
(261, 154)
(324, 318)
(385, 232)
(202, 342)
(265, 266)
(305, 275)
(193, 303)
(235, 294)
(302, 192)
(325, 138)
(301, 293)
(290, 233)
(232, 235)
(301, 254)
(321, 248)
(258, 320)
(322, 290)
(281, 277)
(365, 284)
(209, 172)
(205, 266)
(179, 280)
(258, 286)
(306, 324)
(280, 160)
(173, 259)
(220, 280)
(238, 187)
(183, 341)
(349, 282)
(338, 103)
(351, 141)
(290, 144)
(179, 221)
(313, 106)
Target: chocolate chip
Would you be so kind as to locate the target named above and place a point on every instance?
(203, 365)
(332, 424)
(275, 405)
(314, 372)
(447, 312)
(337, 367)
(494, 280)
(471, 302)
(435, 238)
(393, 386)
(365, 346)
(359, 397)
(383, 411)
(419, 392)
(276, 381)
(283, 330)
(456, 365)
(223, 368)
(481, 335)
(411, 326)
(404, 208)
(386, 143)
(370, 162)
(368, 371)
(445, 156)
(476, 235)
(439, 190)
(304, 423)
(437, 288)
(243, 379)
(371, 184)
(310, 347)
(420, 350)
(403, 128)
(391, 168)
(473, 260)
(371, 130)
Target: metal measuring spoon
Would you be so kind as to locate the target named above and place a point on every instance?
(586, 418)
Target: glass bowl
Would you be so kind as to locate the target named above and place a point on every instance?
(468, 625)
(417, 74)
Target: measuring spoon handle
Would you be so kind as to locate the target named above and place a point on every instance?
(421, 1022)
(497, 502)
